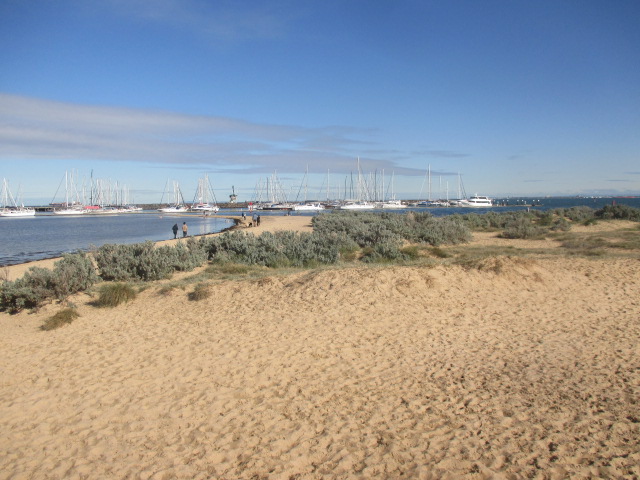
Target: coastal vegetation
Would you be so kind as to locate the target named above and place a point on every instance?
(347, 237)
(60, 319)
(112, 294)
(200, 292)
(73, 273)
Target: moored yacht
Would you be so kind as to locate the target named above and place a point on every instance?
(9, 207)
(476, 201)
(308, 207)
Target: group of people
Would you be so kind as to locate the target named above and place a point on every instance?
(254, 223)
(255, 220)
(185, 230)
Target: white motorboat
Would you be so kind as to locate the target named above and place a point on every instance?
(70, 210)
(308, 207)
(357, 206)
(476, 201)
(204, 207)
(392, 204)
(173, 209)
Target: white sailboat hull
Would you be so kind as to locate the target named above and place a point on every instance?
(20, 212)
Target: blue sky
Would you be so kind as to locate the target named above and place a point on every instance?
(518, 97)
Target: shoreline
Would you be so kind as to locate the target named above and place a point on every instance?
(269, 223)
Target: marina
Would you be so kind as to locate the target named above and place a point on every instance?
(45, 235)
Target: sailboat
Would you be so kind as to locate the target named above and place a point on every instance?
(9, 207)
(360, 202)
(72, 204)
(392, 202)
(204, 196)
(177, 206)
(306, 206)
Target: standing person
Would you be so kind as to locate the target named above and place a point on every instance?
(258, 220)
(255, 220)
(175, 230)
(184, 229)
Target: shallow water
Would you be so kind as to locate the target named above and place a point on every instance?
(46, 236)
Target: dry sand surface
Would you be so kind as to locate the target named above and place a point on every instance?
(529, 370)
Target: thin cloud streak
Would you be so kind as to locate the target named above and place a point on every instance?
(210, 20)
(43, 129)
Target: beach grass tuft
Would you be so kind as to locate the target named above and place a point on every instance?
(113, 294)
(201, 291)
(63, 317)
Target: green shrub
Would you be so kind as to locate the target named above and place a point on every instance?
(522, 228)
(278, 249)
(561, 224)
(146, 262)
(619, 212)
(63, 317)
(579, 214)
(410, 251)
(113, 294)
(370, 229)
(386, 251)
(73, 273)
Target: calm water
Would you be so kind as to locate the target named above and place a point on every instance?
(47, 236)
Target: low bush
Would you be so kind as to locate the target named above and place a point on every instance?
(561, 224)
(618, 212)
(368, 229)
(73, 273)
(113, 294)
(522, 228)
(63, 317)
(278, 249)
(146, 262)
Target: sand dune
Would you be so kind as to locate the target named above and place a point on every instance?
(395, 372)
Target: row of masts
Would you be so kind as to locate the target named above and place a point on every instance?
(355, 187)
(102, 192)
(371, 187)
(443, 192)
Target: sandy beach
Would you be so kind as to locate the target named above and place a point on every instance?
(528, 368)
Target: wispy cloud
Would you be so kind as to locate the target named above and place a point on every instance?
(219, 20)
(42, 129)
(441, 153)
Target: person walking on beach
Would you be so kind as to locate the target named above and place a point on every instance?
(175, 230)
(255, 220)
(258, 220)
(184, 229)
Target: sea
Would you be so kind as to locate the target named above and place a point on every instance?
(48, 236)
